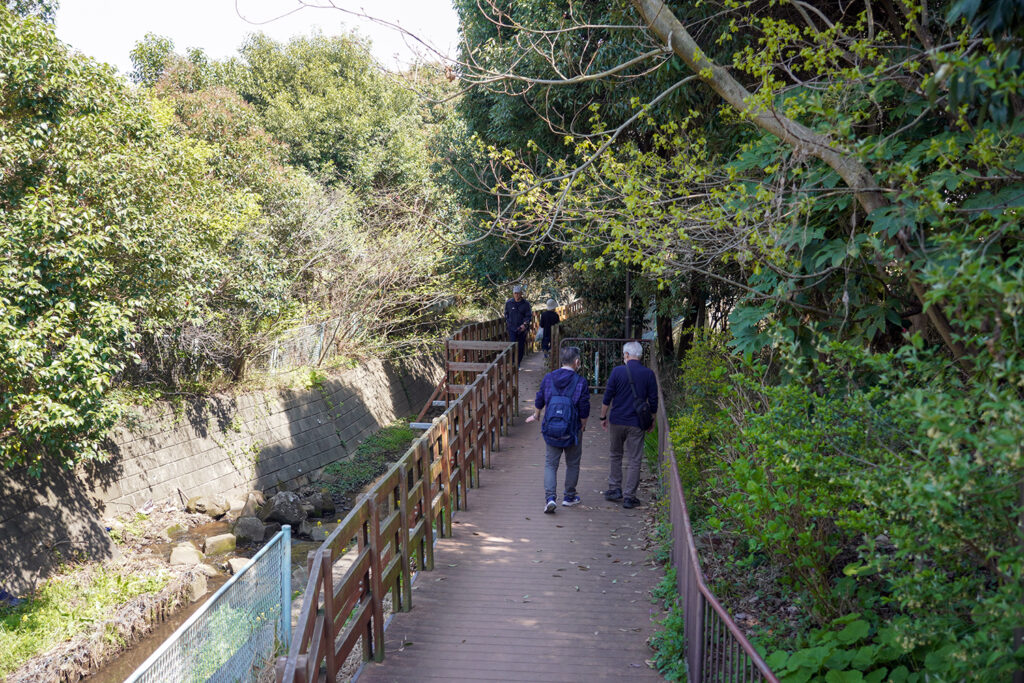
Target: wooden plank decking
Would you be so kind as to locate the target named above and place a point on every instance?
(519, 595)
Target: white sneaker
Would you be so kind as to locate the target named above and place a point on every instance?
(550, 506)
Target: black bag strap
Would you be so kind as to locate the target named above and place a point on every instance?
(636, 398)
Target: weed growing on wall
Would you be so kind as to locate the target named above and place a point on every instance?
(372, 458)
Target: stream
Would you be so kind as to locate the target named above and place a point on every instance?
(122, 666)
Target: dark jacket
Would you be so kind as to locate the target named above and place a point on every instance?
(517, 313)
(620, 396)
(547, 319)
(559, 381)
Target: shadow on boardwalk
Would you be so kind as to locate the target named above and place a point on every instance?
(519, 595)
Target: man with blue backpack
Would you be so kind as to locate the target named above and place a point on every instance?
(564, 396)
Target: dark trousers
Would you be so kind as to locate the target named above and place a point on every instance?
(627, 450)
(519, 338)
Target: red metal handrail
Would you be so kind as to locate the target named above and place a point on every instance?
(716, 649)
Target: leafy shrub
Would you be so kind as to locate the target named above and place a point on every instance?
(372, 458)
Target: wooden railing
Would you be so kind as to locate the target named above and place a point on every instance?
(461, 362)
(716, 649)
(391, 529)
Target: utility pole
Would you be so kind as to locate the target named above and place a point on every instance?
(629, 304)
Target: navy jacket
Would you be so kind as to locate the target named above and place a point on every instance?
(517, 313)
(559, 380)
(620, 396)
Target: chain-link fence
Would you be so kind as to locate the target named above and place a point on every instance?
(238, 632)
(303, 346)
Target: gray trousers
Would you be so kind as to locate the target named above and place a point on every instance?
(572, 468)
(627, 443)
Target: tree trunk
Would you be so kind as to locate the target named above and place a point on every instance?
(695, 316)
(663, 323)
(663, 23)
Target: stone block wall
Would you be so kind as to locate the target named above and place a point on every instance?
(267, 440)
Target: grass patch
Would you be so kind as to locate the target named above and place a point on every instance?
(68, 604)
(372, 458)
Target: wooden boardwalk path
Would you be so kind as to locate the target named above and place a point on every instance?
(519, 595)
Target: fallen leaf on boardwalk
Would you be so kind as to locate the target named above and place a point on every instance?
(476, 533)
(558, 526)
(627, 630)
(638, 666)
(650, 663)
(453, 565)
(536, 561)
(577, 588)
(615, 580)
(527, 518)
(525, 596)
(583, 567)
(407, 643)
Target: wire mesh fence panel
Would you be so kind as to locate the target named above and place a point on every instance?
(238, 632)
(306, 345)
(599, 356)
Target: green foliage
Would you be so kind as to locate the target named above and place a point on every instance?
(340, 117)
(882, 489)
(150, 57)
(372, 458)
(44, 10)
(669, 642)
(160, 234)
(66, 605)
(225, 632)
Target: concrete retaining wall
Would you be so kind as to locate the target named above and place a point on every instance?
(266, 440)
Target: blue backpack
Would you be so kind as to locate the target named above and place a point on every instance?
(561, 419)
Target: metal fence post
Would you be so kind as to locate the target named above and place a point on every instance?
(286, 586)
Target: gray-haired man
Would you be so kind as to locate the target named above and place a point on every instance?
(629, 385)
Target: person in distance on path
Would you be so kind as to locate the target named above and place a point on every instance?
(518, 317)
(564, 397)
(632, 396)
(547, 319)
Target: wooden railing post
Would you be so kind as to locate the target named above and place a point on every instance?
(402, 537)
(446, 475)
(330, 628)
(427, 501)
(376, 567)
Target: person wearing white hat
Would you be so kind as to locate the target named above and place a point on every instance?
(547, 319)
(518, 317)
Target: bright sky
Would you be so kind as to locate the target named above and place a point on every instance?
(108, 29)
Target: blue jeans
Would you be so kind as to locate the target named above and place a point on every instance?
(572, 468)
